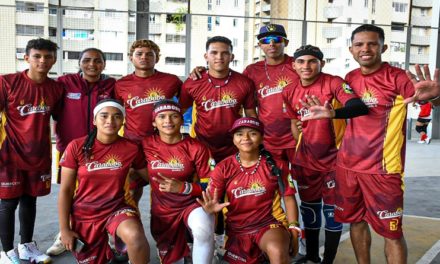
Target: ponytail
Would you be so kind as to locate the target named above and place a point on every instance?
(88, 143)
(275, 170)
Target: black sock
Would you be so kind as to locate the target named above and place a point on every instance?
(312, 244)
(27, 212)
(7, 222)
(331, 246)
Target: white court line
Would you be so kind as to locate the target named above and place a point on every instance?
(423, 217)
(430, 254)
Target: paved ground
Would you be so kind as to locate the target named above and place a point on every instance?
(421, 221)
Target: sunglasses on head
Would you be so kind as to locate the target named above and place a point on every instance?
(268, 39)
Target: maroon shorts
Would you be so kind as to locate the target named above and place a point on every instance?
(14, 183)
(374, 198)
(286, 155)
(244, 248)
(94, 234)
(314, 185)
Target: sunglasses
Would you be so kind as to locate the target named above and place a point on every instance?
(267, 40)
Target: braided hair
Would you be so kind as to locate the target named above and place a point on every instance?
(275, 170)
(90, 140)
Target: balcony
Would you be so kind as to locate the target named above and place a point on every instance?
(422, 3)
(331, 53)
(419, 59)
(155, 28)
(82, 23)
(77, 45)
(31, 18)
(421, 21)
(420, 40)
(332, 12)
(331, 32)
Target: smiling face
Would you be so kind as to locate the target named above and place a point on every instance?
(91, 64)
(308, 68)
(168, 123)
(247, 139)
(367, 49)
(108, 121)
(218, 56)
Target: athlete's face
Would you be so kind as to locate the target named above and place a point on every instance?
(273, 50)
(108, 121)
(247, 139)
(367, 49)
(143, 58)
(91, 64)
(168, 123)
(308, 68)
(40, 61)
(218, 56)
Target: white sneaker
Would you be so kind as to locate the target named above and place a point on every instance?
(10, 257)
(57, 247)
(428, 140)
(30, 252)
(421, 141)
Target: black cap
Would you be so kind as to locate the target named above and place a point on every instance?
(272, 29)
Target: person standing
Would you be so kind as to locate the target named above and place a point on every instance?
(93, 199)
(423, 122)
(27, 100)
(139, 91)
(178, 169)
(314, 162)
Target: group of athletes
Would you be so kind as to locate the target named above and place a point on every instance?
(342, 141)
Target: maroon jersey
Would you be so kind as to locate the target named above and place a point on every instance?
(26, 107)
(317, 146)
(139, 96)
(217, 109)
(255, 200)
(102, 181)
(375, 143)
(270, 81)
(186, 160)
(76, 115)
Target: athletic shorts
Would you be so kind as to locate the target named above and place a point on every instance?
(374, 198)
(282, 154)
(15, 183)
(423, 120)
(314, 185)
(94, 234)
(244, 248)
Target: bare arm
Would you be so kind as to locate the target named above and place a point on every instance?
(65, 200)
(292, 218)
(295, 129)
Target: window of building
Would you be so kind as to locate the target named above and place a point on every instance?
(347, 63)
(329, 40)
(328, 60)
(22, 6)
(174, 61)
(348, 42)
(234, 63)
(373, 7)
(52, 10)
(419, 50)
(349, 21)
(235, 22)
(52, 32)
(209, 23)
(365, 3)
(423, 12)
(397, 26)
(209, 4)
(175, 38)
(400, 7)
(234, 42)
(152, 18)
(77, 34)
(20, 52)
(217, 21)
(217, 2)
(72, 55)
(236, 3)
(113, 56)
(176, 18)
(78, 13)
(350, 2)
(28, 30)
(397, 46)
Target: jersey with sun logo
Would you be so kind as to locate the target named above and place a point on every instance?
(25, 109)
(80, 98)
(375, 143)
(277, 132)
(187, 160)
(139, 96)
(318, 143)
(102, 180)
(217, 109)
(255, 200)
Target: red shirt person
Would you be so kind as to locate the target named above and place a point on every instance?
(178, 169)
(254, 185)
(27, 100)
(95, 175)
(271, 77)
(219, 97)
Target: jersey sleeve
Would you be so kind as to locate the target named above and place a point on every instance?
(341, 90)
(139, 161)
(289, 186)
(289, 110)
(405, 86)
(70, 156)
(204, 164)
(185, 99)
(217, 182)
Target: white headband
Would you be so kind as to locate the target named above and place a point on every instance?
(105, 104)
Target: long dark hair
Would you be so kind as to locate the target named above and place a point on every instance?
(90, 140)
(274, 169)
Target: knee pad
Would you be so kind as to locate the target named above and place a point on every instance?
(311, 214)
(201, 224)
(329, 215)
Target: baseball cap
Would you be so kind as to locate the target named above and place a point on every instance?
(272, 29)
(308, 50)
(250, 122)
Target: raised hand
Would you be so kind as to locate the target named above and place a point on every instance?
(168, 184)
(211, 205)
(425, 88)
(315, 109)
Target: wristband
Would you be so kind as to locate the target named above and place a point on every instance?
(294, 223)
(434, 99)
(297, 229)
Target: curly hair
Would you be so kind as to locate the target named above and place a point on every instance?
(145, 43)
